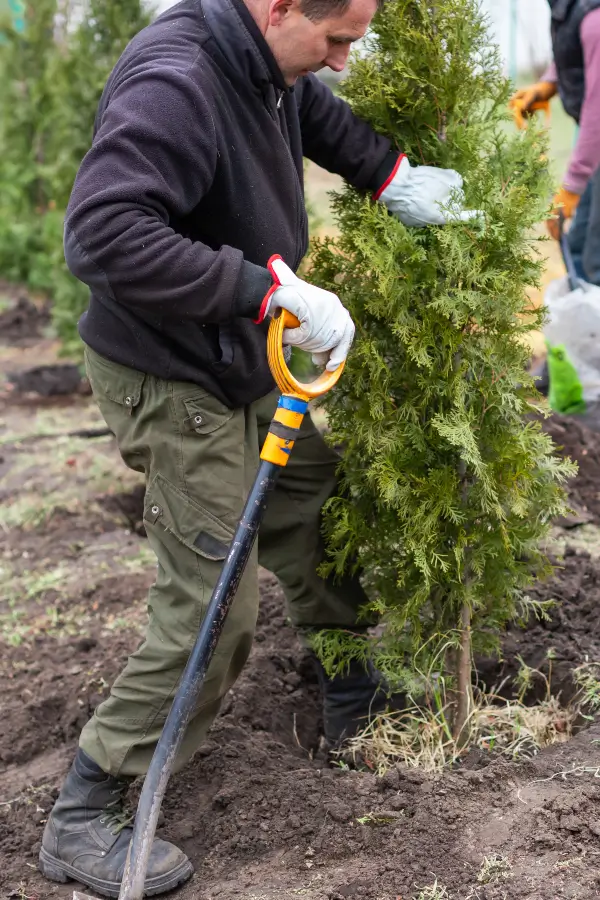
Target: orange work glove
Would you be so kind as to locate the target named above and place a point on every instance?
(523, 102)
(564, 202)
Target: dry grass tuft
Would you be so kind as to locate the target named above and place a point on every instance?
(421, 736)
(433, 891)
(493, 869)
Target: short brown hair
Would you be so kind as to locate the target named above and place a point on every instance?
(315, 10)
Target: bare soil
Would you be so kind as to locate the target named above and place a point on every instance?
(259, 810)
(578, 438)
(21, 318)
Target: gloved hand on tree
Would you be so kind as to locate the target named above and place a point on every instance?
(326, 329)
(417, 195)
(564, 202)
(524, 99)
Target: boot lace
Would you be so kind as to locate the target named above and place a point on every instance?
(115, 815)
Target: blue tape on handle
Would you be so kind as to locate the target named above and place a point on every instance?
(293, 403)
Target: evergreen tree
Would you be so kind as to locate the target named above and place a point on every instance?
(52, 79)
(25, 101)
(450, 482)
(93, 49)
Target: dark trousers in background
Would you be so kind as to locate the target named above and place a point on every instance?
(584, 234)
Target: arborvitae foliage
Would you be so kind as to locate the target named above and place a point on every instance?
(25, 103)
(450, 483)
(52, 75)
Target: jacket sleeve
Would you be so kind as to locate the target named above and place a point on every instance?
(152, 160)
(337, 140)
(550, 74)
(586, 155)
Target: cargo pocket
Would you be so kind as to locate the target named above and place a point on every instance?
(211, 453)
(113, 381)
(205, 414)
(186, 520)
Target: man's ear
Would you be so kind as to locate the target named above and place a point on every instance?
(279, 10)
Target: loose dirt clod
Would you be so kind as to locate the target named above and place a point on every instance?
(48, 381)
(21, 319)
(583, 446)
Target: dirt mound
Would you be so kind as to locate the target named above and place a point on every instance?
(570, 635)
(129, 506)
(261, 813)
(49, 693)
(289, 830)
(266, 815)
(24, 320)
(582, 445)
(48, 381)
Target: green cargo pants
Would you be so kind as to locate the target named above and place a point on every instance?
(199, 459)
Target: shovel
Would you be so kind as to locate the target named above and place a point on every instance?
(541, 373)
(566, 253)
(275, 453)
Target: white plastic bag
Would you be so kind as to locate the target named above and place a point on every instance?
(574, 322)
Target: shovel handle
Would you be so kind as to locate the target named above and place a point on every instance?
(566, 253)
(286, 382)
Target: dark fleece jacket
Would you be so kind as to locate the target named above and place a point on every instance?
(193, 180)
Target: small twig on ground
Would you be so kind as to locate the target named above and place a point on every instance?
(80, 433)
(297, 739)
(576, 770)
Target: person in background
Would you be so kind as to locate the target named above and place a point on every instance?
(575, 75)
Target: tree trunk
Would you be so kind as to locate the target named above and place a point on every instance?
(462, 668)
(463, 704)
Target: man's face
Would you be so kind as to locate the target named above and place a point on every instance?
(301, 46)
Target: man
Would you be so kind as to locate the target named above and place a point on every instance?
(575, 74)
(192, 184)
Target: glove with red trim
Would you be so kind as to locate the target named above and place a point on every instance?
(416, 195)
(326, 329)
(565, 202)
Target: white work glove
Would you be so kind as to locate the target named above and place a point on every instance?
(416, 194)
(326, 329)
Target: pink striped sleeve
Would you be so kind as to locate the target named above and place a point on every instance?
(550, 73)
(586, 155)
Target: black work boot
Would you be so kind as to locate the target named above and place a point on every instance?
(87, 836)
(351, 700)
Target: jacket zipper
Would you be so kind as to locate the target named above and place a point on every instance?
(300, 205)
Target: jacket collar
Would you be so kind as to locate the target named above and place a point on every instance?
(238, 37)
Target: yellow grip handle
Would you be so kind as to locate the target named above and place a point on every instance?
(286, 382)
(520, 114)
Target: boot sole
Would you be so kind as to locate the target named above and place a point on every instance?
(56, 870)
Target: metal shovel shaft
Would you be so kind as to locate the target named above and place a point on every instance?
(567, 256)
(132, 885)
